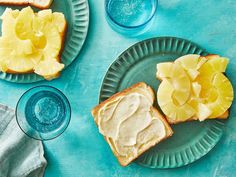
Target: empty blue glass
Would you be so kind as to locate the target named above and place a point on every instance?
(43, 112)
(130, 17)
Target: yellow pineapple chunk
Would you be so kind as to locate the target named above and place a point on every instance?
(48, 68)
(203, 111)
(53, 42)
(217, 92)
(196, 87)
(191, 63)
(178, 78)
(173, 111)
(47, 37)
(222, 97)
(23, 26)
(213, 66)
(10, 38)
(23, 63)
(59, 21)
(45, 15)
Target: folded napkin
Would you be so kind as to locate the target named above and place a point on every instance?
(20, 155)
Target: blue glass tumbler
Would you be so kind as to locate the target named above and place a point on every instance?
(43, 112)
(130, 17)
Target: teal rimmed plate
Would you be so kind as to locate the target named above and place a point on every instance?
(191, 140)
(77, 17)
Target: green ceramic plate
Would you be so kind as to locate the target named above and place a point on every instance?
(77, 16)
(191, 140)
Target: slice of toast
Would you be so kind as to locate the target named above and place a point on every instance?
(125, 113)
(42, 4)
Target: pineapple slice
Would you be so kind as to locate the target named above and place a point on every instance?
(23, 26)
(48, 68)
(10, 38)
(191, 63)
(201, 110)
(25, 46)
(45, 15)
(220, 96)
(14, 13)
(47, 37)
(178, 78)
(167, 104)
(214, 65)
(22, 63)
(217, 91)
(59, 20)
(53, 42)
(14, 62)
(17, 60)
(17, 52)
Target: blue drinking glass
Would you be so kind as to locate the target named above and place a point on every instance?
(130, 17)
(43, 112)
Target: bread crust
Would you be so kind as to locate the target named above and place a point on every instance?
(124, 161)
(7, 2)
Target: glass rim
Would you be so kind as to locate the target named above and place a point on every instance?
(133, 26)
(64, 128)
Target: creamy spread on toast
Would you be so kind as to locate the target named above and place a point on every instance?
(129, 124)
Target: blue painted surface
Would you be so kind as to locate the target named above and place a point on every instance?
(81, 151)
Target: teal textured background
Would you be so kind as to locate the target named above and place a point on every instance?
(81, 151)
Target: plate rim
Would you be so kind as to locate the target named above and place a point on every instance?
(27, 78)
(217, 123)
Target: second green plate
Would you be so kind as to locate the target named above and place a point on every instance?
(191, 140)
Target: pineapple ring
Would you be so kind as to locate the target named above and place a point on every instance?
(178, 78)
(219, 96)
(9, 39)
(191, 63)
(23, 26)
(171, 110)
(217, 91)
(47, 35)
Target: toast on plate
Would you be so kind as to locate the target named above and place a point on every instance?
(130, 124)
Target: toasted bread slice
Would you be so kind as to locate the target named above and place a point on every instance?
(125, 113)
(42, 4)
